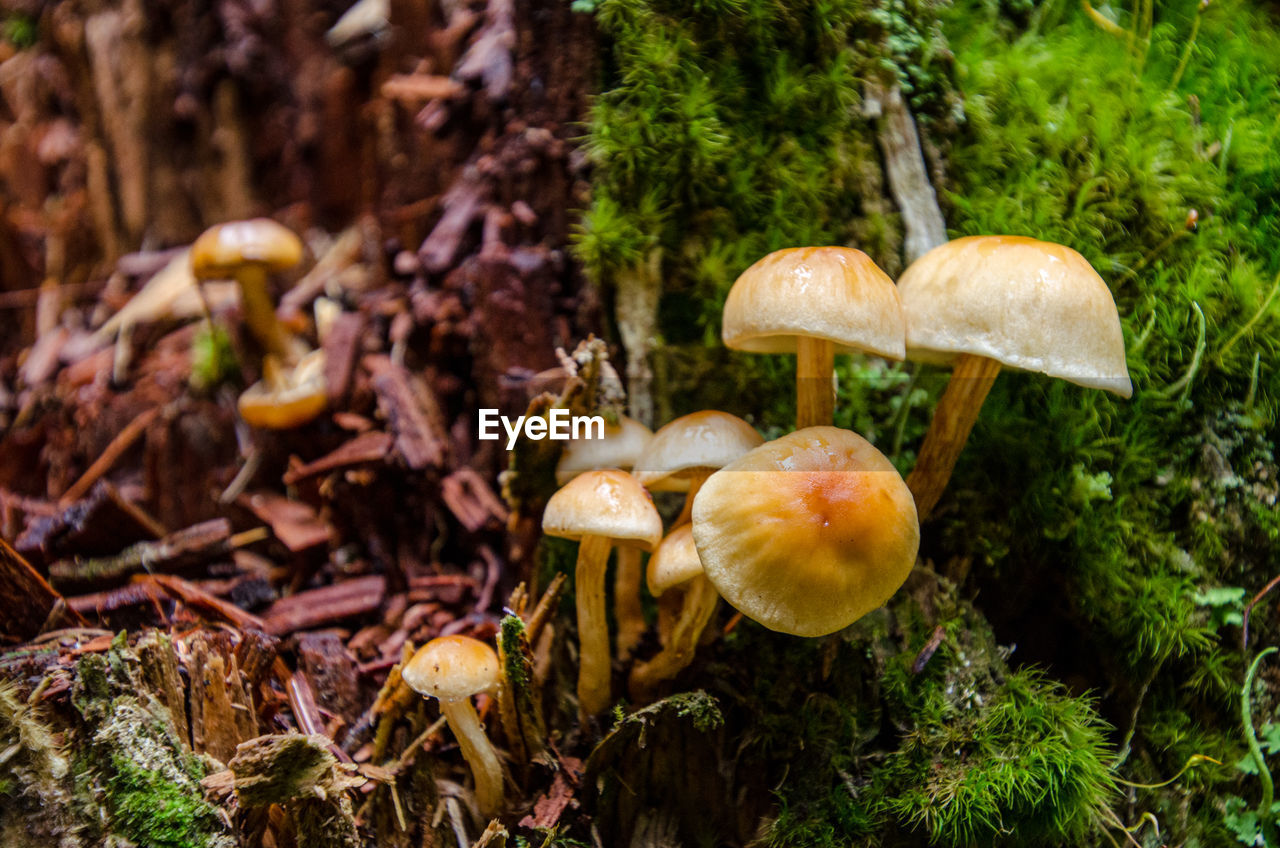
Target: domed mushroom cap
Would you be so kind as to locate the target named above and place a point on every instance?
(607, 503)
(619, 448)
(452, 667)
(808, 533)
(675, 561)
(1028, 304)
(832, 293)
(223, 248)
(700, 440)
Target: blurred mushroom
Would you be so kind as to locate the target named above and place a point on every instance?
(808, 533)
(286, 397)
(599, 508)
(815, 302)
(247, 251)
(983, 302)
(452, 669)
(676, 578)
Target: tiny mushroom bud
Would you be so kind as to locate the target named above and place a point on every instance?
(619, 448)
(676, 578)
(452, 669)
(983, 302)
(815, 302)
(286, 397)
(686, 451)
(247, 251)
(599, 508)
(808, 533)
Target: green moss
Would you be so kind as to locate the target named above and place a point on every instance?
(213, 357)
(151, 810)
(130, 764)
(1025, 764)
(726, 130)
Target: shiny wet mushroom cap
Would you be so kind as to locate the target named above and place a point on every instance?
(815, 302)
(808, 533)
(983, 303)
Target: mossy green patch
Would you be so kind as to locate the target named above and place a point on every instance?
(131, 764)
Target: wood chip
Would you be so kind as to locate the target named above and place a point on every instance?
(325, 606)
(30, 603)
(471, 500)
(294, 523)
(367, 447)
(411, 411)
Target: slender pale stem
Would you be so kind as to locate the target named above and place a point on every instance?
(478, 753)
(626, 599)
(594, 664)
(697, 477)
(955, 416)
(815, 398)
(260, 314)
(700, 599)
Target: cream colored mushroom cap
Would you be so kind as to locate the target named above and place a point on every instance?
(674, 562)
(619, 448)
(1031, 305)
(223, 248)
(452, 667)
(607, 503)
(699, 440)
(832, 293)
(808, 533)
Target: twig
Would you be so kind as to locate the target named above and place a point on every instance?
(121, 443)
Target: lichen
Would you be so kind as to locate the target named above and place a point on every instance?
(132, 766)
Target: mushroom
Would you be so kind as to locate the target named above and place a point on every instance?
(599, 508)
(247, 251)
(292, 390)
(808, 533)
(982, 302)
(286, 397)
(676, 578)
(815, 302)
(619, 448)
(685, 452)
(452, 669)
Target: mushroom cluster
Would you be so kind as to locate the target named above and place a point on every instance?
(808, 533)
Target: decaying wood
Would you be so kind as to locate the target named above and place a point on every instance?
(160, 672)
(373, 446)
(412, 412)
(178, 551)
(905, 168)
(325, 606)
(471, 500)
(30, 605)
(294, 523)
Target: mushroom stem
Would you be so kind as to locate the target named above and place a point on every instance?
(955, 416)
(626, 600)
(260, 314)
(696, 479)
(815, 400)
(594, 670)
(700, 599)
(477, 751)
